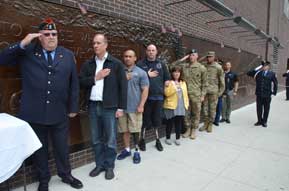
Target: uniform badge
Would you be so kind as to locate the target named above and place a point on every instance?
(159, 66)
(37, 54)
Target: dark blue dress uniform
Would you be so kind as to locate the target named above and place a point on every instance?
(264, 90)
(49, 92)
(286, 75)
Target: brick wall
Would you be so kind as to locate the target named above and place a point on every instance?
(157, 13)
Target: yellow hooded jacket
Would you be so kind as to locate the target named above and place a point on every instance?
(171, 95)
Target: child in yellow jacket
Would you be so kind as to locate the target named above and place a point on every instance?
(175, 104)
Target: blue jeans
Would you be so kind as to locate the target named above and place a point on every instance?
(218, 110)
(103, 128)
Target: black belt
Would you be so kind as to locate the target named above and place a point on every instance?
(95, 101)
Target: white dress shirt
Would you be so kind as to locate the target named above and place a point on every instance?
(97, 89)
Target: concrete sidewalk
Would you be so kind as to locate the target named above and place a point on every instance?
(235, 157)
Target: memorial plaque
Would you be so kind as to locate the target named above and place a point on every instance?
(76, 31)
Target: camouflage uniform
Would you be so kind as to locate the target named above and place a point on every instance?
(216, 87)
(196, 77)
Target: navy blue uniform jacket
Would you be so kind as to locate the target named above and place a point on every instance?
(286, 75)
(264, 83)
(48, 93)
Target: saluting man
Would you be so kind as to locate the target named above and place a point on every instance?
(264, 80)
(49, 96)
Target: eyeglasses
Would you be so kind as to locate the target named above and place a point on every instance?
(48, 34)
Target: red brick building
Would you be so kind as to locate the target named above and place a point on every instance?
(174, 25)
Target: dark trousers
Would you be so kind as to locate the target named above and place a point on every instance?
(218, 110)
(152, 116)
(176, 122)
(263, 108)
(59, 137)
(287, 92)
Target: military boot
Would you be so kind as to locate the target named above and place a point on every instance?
(210, 128)
(193, 134)
(187, 133)
(204, 127)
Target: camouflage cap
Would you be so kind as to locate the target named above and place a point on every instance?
(210, 53)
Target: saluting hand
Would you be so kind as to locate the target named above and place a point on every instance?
(185, 57)
(27, 40)
(71, 115)
(152, 73)
(102, 74)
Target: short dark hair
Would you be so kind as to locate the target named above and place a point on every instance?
(130, 50)
(177, 69)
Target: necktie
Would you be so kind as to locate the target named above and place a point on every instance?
(49, 58)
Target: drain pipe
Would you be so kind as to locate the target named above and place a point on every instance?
(268, 28)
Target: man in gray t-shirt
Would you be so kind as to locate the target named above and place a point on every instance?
(131, 121)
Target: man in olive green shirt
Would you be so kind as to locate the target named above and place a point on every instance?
(216, 87)
(195, 75)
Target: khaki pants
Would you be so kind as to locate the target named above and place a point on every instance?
(209, 108)
(227, 102)
(192, 118)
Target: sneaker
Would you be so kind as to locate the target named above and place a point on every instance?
(142, 145)
(159, 145)
(124, 153)
(177, 142)
(228, 121)
(216, 124)
(136, 157)
(168, 141)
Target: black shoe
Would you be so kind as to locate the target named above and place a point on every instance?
(109, 174)
(159, 145)
(228, 121)
(142, 145)
(222, 120)
(258, 123)
(43, 186)
(264, 125)
(215, 123)
(73, 182)
(96, 171)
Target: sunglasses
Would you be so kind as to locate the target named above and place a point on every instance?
(48, 34)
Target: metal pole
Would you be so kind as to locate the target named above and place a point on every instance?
(247, 35)
(236, 32)
(177, 2)
(231, 26)
(198, 12)
(221, 20)
(268, 27)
